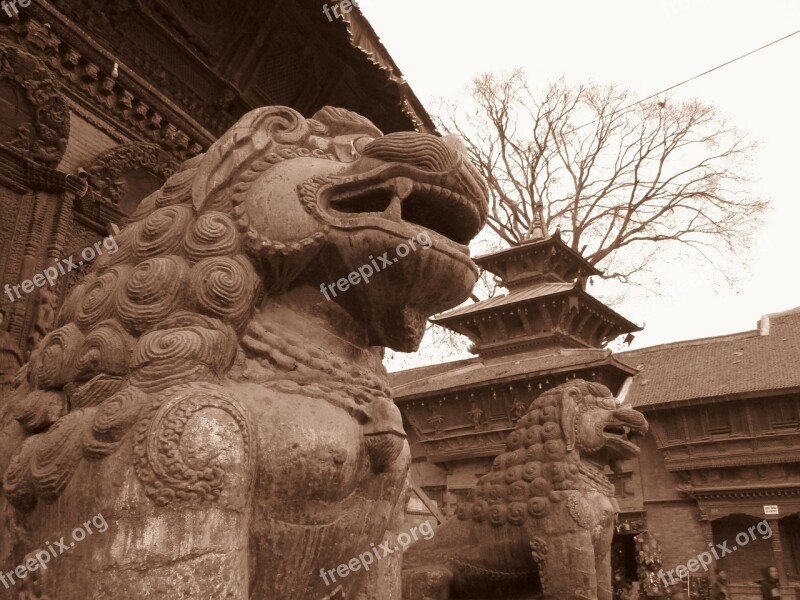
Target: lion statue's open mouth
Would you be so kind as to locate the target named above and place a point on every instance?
(443, 196)
(389, 190)
(623, 431)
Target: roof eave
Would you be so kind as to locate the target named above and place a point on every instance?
(608, 360)
(485, 260)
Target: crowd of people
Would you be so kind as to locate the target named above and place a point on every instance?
(769, 585)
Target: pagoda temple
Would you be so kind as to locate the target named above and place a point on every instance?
(545, 330)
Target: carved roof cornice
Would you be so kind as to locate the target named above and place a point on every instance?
(480, 444)
(745, 492)
(722, 460)
(204, 111)
(554, 314)
(485, 374)
(129, 101)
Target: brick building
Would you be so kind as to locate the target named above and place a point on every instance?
(723, 452)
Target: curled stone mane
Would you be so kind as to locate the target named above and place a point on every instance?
(539, 466)
(168, 307)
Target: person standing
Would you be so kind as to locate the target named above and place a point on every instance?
(628, 593)
(719, 591)
(770, 585)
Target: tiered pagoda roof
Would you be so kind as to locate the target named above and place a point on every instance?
(546, 307)
(547, 329)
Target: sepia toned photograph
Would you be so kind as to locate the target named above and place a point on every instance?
(420, 300)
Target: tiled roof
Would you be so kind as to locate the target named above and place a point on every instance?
(541, 290)
(486, 260)
(402, 377)
(531, 293)
(482, 371)
(763, 360)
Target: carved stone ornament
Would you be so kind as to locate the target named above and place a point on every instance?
(232, 424)
(118, 175)
(45, 317)
(10, 355)
(73, 67)
(545, 513)
(45, 138)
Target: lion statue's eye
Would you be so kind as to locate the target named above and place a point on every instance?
(350, 147)
(362, 143)
(610, 403)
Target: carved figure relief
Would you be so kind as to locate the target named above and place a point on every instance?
(10, 355)
(45, 317)
(45, 137)
(126, 174)
(476, 415)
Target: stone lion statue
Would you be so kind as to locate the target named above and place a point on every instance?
(231, 424)
(542, 520)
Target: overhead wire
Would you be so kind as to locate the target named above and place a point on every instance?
(685, 81)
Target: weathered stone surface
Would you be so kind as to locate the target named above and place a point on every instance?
(542, 521)
(231, 424)
(10, 356)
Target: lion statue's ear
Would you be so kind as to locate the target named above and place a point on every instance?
(253, 136)
(569, 405)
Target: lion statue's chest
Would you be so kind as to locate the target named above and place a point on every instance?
(313, 483)
(311, 454)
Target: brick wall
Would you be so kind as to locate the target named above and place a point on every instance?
(677, 529)
(744, 564)
(672, 518)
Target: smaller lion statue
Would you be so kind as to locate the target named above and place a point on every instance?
(542, 520)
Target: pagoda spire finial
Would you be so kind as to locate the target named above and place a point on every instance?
(537, 230)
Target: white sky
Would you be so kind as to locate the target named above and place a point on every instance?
(645, 46)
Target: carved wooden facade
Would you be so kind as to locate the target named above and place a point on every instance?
(101, 100)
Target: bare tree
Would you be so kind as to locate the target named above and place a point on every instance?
(621, 179)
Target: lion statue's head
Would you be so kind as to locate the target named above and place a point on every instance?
(324, 199)
(576, 425)
(276, 209)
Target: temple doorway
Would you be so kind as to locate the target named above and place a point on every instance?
(624, 566)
